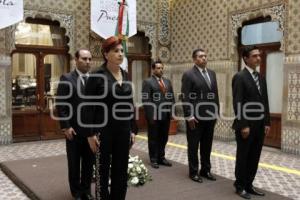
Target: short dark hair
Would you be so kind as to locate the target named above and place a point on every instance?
(196, 51)
(77, 53)
(154, 63)
(247, 49)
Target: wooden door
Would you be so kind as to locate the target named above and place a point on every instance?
(53, 66)
(35, 74)
(25, 97)
(273, 139)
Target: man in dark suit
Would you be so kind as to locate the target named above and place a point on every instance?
(252, 122)
(201, 109)
(79, 155)
(158, 98)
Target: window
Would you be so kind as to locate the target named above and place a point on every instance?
(261, 33)
(40, 34)
(24, 81)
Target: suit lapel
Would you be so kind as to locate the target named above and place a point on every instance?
(251, 80)
(155, 82)
(199, 75)
(74, 78)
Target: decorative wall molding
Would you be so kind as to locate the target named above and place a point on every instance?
(224, 66)
(164, 54)
(66, 20)
(291, 93)
(223, 130)
(95, 45)
(5, 89)
(164, 34)
(150, 31)
(292, 59)
(6, 131)
(277, 11)
(290, 131)
(290, 142)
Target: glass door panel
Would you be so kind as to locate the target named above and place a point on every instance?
(54, 67)
(275, 88)
(24, 82)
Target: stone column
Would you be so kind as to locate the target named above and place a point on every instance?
(290, 137)
(5, 100)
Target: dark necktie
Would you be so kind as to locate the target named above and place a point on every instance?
(83, 83)
(162, 86)
(256, 80)
(205, 75)
(84, 78)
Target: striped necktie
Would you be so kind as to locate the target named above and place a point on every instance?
(256, 80)
(205, 75)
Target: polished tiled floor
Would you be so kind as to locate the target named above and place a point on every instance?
(278, 172)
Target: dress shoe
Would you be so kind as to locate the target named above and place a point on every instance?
(87, 197)
(154, 165)
(165, 162)
(255, 191)
(243, 194)
(209, 176)
(196, 178)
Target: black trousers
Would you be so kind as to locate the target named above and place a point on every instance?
(80, 165)
(248, 154)
(158, 133)
(202, 135)
(112, 161)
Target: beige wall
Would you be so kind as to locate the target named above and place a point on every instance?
(205, 24)
(2, 41)
(293, 29)
(147, 11)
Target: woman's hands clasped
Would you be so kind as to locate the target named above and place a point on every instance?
(94, 143)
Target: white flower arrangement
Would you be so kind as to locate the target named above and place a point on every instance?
(137, 172)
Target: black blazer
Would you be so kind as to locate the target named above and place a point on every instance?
(195, 91)
(244, 91)
(70, 91)
(116, 94)
(151, 93)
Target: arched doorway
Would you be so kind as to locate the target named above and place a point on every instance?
(40, 57)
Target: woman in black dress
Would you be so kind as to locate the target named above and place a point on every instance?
(112, 116)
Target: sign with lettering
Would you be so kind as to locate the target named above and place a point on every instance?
(11, 12)
(105, 14)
